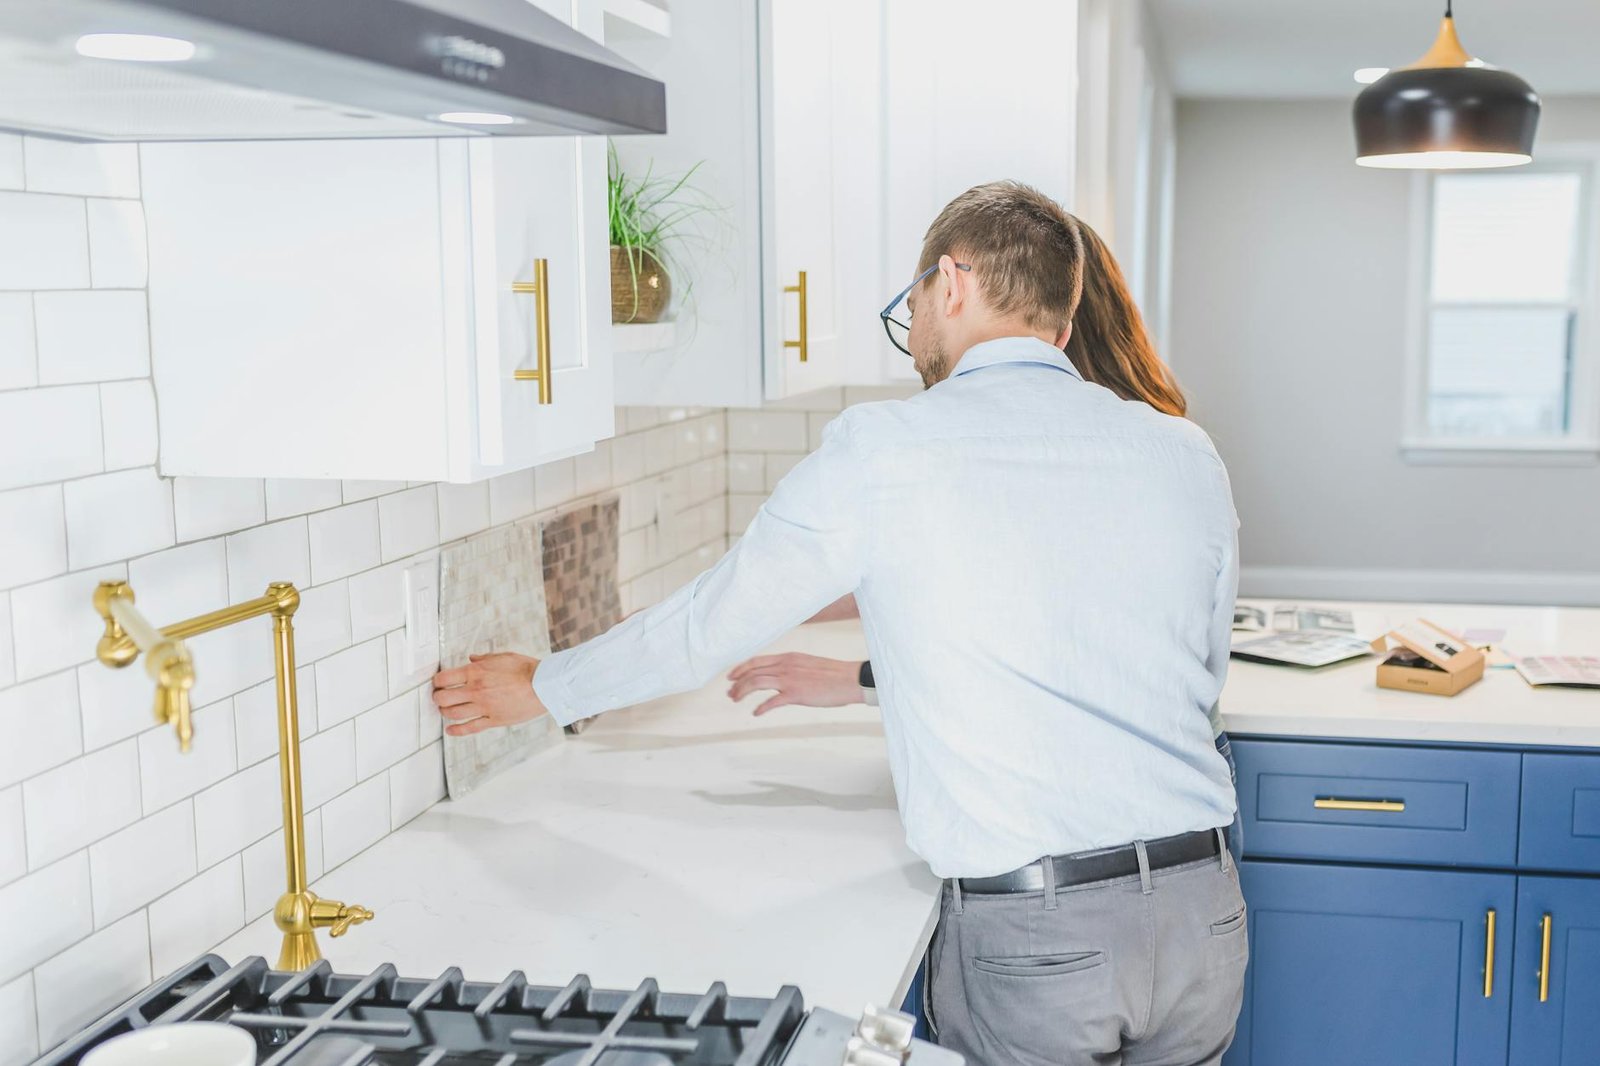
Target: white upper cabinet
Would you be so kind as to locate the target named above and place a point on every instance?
(363, 309)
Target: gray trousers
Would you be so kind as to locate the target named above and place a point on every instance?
(1141, 971)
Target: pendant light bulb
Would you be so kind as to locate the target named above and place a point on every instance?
(1448, 110)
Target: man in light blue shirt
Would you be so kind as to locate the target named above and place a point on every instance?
(1046, 577)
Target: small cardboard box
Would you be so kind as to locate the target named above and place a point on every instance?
(1426, 658)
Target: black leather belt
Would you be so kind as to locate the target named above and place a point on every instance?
(1087, 867)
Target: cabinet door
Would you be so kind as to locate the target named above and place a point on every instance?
(798, 44)
(1559, 1026)
(1374, 966)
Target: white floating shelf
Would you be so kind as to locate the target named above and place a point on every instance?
(636, 19)
(644, 336)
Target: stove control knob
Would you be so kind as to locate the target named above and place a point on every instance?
(885, 1034)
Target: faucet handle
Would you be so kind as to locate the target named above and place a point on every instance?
(337, 917)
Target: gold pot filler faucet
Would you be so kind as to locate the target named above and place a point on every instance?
(299, 912)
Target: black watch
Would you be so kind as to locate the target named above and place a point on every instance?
(865, 676)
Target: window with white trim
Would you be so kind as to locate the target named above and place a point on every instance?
(1504, 329)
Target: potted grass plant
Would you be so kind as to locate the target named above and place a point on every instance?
(648, 214)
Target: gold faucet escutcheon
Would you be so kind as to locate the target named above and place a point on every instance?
(299, 912)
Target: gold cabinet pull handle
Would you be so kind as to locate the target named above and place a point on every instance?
(539, 289)
(1544, 961)
(799, 289)
(1488, 955)
(1334, 803)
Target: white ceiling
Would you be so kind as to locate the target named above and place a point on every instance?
(1302, 48)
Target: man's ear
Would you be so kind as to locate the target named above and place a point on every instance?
(955, 285)
(1064, 336)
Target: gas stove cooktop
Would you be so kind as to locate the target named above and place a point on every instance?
(320, 1018)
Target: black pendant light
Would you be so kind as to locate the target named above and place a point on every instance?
(1446, 111)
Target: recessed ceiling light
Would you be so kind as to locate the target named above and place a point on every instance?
(477, 118)
(135, 47)
(1368, 75)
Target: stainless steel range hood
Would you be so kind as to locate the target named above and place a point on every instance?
(292, 69)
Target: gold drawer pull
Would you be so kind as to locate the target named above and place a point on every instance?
(1488, 955)
(1333, 803)
(799, 289)
(1544, 961)
(539, 288)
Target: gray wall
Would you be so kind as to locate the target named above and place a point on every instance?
(1288, 302)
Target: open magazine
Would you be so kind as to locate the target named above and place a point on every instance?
(1306, 648)
(1578, 671)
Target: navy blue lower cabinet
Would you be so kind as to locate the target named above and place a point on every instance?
(1556, 1022)
(1377, 967)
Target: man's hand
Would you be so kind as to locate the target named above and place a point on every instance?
(491, 690)
(805, 680)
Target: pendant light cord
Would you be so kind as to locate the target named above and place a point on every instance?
(1448, 4)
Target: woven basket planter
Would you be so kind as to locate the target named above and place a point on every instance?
(640, 294)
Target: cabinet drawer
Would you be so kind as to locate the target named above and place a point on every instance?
(1378, 804)
(1560, 813)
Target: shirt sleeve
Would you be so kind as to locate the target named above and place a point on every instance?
(806, 547)
(1224, 596)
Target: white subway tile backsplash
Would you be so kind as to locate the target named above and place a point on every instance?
(132, 867)
(8, 666)
(46, 239)
(660, 449)
(355, 821)
(43, 913)
(627, 459)
(385, 735)
(352, 681)
(777, 467)
(255, 716)
(635, 553)
(55, 622)
(296, 496)
(322, 624)
(408, 522)
(463, 510)
(236, 812)
(76, 804)
(207, 506)
(366, 490)
(81, 168)
(13, 838)
(45, 712)
(767, 431)
(117, 244)
(742, 510)
(19, 368)
(115, 704)
(416, 784)
(328, 764)
(430, 724)
(91, 336)
(179, 583)
(344, 541)
(278, 551)
(19, 1022)
(115, 516)
(377, 600)
(592, 470)
(128, 422)
(82, 983)
(68, 418)
(33, 528)
(747, 472)
(11, 175)
(263, 862)
(193, 917)
(511, 497)
(169, 774)
(816, 422)
(554, 484)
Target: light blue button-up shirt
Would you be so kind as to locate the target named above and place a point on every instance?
(1046, 576)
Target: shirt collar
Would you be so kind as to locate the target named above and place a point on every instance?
(1014, 350)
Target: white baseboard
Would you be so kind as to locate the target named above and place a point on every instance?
(1574, 589)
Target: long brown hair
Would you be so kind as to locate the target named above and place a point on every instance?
(1109, 344)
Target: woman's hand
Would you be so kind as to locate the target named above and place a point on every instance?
(803, 680)
(491, 690)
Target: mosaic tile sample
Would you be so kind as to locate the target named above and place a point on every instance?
(491, 598)
(580, 572)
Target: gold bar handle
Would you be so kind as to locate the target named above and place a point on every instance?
(1334, 803)
(1544, 961)
(799, 289)
(1488, 954)
(539, 289)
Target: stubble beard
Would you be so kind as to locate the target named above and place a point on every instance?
(936, 367)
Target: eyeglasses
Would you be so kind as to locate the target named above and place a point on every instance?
(900, 332)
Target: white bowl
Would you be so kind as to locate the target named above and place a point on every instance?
(183, 1044)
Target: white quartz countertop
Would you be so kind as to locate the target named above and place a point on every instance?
(1344, 700)
(683, 840)
(688, 841)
